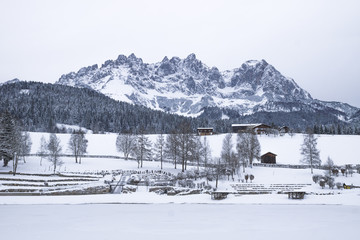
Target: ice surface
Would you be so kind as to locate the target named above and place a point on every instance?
(178, 221)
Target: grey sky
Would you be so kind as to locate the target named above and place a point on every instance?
(317, 43)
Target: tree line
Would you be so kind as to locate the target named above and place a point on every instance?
(40, 107)
(336, 129)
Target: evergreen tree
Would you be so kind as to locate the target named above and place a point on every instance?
(10, 139)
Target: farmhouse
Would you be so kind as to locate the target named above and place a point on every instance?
(268, 157)
(202, 131)
(257, 128)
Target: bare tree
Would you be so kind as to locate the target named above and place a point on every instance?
(78, 144)
(54, 149)
(206, 152)
(43, 149)
(126, 143)
(329, 165)
(172, 147)
(248, 148)
(142, 149)
(197, 153)
(25, 145)
(227, 150)
(310, 153)
(186, 145)
(159, 149)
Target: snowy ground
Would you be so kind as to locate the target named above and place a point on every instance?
(179, 221)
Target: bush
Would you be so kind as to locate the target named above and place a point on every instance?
(246, 177)
(322, 183)
(251, 177)
(181, 176)
(316, 178)
(190, 174)
(331, 183)
(182, 183)
(339, 185)
(335, 171)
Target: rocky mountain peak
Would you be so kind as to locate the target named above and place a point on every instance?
(187, 86)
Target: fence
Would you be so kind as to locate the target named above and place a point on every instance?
(287, 166)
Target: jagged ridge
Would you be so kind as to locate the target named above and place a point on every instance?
(187, 87)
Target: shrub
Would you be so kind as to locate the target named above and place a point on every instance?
(331, 183)
(251, 177)
(316, 178)
(339, 185)
(181, 176)
(322, 183)
(335, 171)
(246, 177)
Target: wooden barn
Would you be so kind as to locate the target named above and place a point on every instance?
(257, 128)
(203, 131)
(268, 158)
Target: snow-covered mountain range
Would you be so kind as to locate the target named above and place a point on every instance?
(189, 87)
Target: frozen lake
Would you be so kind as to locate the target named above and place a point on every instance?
(179, 221)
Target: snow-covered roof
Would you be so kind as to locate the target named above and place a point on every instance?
(246, 125)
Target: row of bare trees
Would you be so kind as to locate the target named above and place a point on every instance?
(181, 147)
(247, 150)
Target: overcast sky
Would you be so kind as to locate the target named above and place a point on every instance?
(317, 43)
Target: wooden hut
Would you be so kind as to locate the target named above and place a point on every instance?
(284, 129)
(268, 158)
(202, 131)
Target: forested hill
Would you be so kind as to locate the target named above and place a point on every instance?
(39, 107)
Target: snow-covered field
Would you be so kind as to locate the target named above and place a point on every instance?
(341, 148)
(326, 214)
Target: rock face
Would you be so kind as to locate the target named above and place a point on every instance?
(189, 87)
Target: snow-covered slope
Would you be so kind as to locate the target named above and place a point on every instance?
(187, 86)
(339, 147)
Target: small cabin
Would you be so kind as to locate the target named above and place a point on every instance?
(268, 158)
(284, 129)
(258, 128)
(203, 131)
